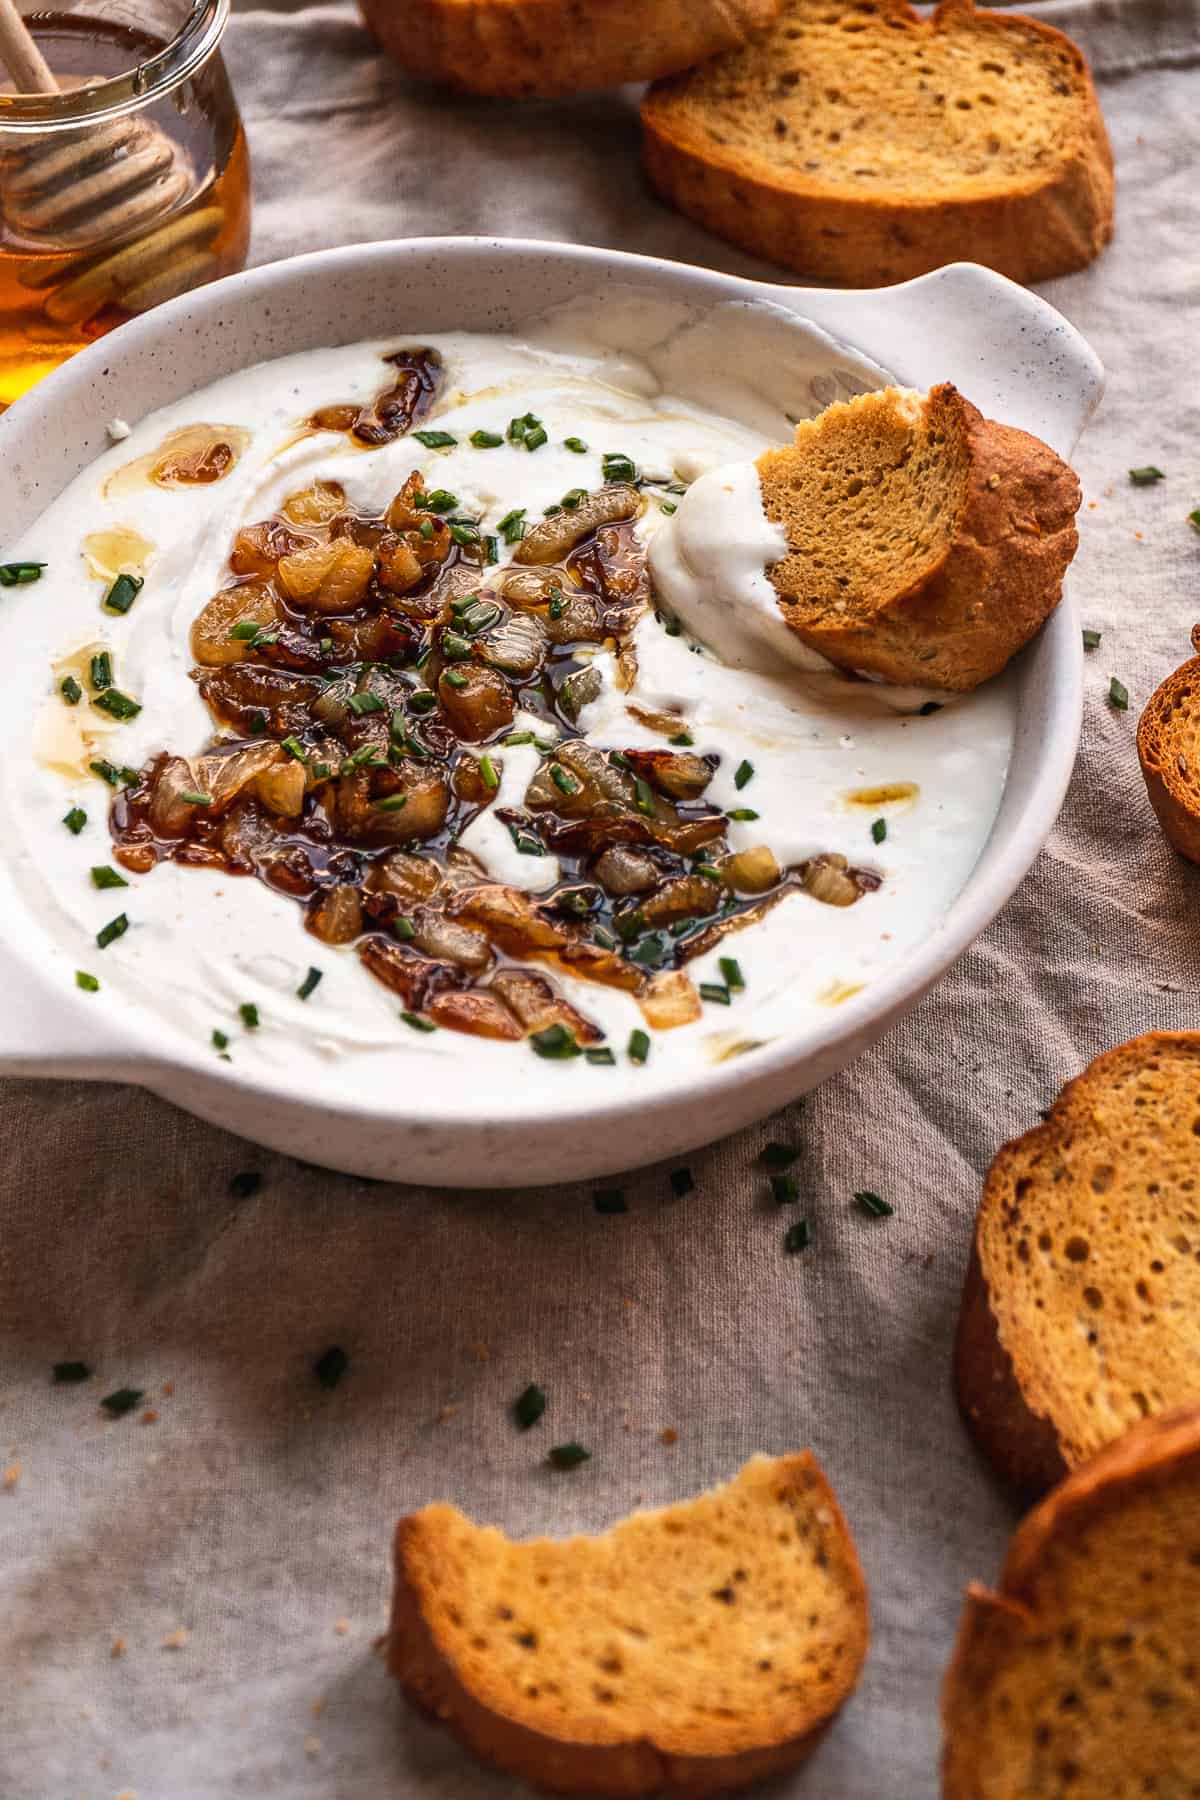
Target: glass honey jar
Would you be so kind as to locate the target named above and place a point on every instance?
(127, 187)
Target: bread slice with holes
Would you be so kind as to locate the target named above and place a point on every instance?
(685, 1651)
(927, 544)
(1079, 1678)
(860, 143)
(525, 49)
(1081, 1312)
(1168, 743)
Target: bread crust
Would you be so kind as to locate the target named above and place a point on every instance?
(998, 1392)
(998, 580)
(527, 49)
(1172, 782)
(1043, 227)
(994, 1624)
(488, 1724)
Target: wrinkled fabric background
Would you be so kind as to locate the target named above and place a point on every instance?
(255, 1511)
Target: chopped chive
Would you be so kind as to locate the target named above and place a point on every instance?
(294, 747)
(487, 770)
(552, 512)
(574, 497)
(100, 670)
(512, 526)
(529, 1406)
(879, 830)
(672, 628)
(71, 1371)
(546, 745)
(601, 1055)
(555, 1042)
(683, 738)
(75, 820)
(785, 1188)
(519, 428)
(258, 723)
(731, 969)
(108, 934)
(70, 690)
(682, 926)
(308, 984)
(426, 529)
(628, 924)
(667, 506)
(244, 629)
(525, 842)
(536, 438)
(1194, 518)
(361, 704)
(682, 1182)
(604, 938)
(1145, 476)
(609, 1200)
(778, 1156)
(742, 812)
(639, 1046)
(486, 440)
(331, 1365)
(244, 1184)
(220, 1040)
(562, 781)
(417, 1022)
(435, 440)
(871, 1203)
(930, 706)
(116, 704)
(618, 467)
(248, 1013)
(105, 877)
(1118, 695)
(713, 991)
(650, 953)
(480, 617)
(645, 796)
(797, 1237)
(517, 737)
(123, 592)
(745, 773)
(403, 928)
(392, 803)
(464, 532)
(123, 1401)
(708, 871)
(1091, 639)
(325, 645)
(322, 771)
(568, 1456)
(423, 701)
(87, 982)
(193, 797)
(454, 678)
(455, 647)
(491, 547)
(558, 604)
(576, 444)
(440, 501)
(13, 574)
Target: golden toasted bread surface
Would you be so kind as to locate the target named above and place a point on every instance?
(688, 1650)
(1079, 1678)
(927, 544)
(858, 142)
(1168, 743)
(1081, 1313)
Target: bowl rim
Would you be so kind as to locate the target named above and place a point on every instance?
(147, 1051)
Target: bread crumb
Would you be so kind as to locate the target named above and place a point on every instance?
(118, 1647)
(88, 1711)
(175, 1640)
(668, 1435)
(12, 1475)
(318, 1707)
(341, 1626)
(481, 1353)
(168, 1388)
(312, 1745)
(126, 1794)
(149, 1417)
(993, 480)
(447, 1412)
(1138, 536)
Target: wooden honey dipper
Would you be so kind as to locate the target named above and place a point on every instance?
(98, 186)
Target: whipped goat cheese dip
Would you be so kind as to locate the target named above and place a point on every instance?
(835, 765)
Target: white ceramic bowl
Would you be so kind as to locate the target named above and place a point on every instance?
(1011, 353)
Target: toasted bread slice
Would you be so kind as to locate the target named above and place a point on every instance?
(927, 543)
(860, 143)
(1079, 1679)
(686, 1651)
(526, 49)
(1168, 743)
(1081, 1312)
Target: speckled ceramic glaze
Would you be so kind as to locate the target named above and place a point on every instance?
(1016, 358)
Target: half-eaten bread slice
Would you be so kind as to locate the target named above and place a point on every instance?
(1081, 1312)
(685, 1651)
(1079, 1679)
(926, 544)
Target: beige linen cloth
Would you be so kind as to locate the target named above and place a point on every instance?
(189, 1603)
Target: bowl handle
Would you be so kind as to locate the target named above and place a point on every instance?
(1007, 350)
